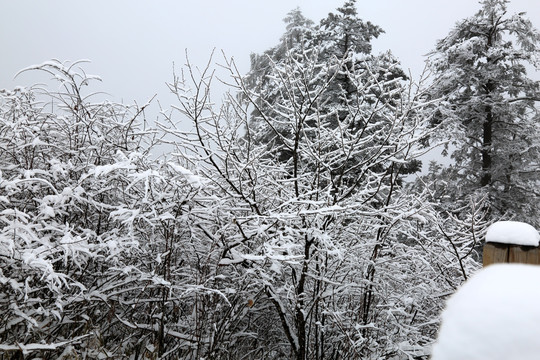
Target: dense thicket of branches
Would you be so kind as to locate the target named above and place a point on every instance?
(280, 225)
(222, 250)
(99, 247)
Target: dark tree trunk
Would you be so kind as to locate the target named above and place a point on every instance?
(300, 304)
(487, 135)
(486, 148)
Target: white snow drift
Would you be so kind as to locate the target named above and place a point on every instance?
(494, 316)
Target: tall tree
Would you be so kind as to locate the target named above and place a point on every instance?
(341, 45)
(489, 113)
(311, 214)
(335, 266)
(347, 31)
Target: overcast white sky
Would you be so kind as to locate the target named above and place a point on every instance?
(133, 43)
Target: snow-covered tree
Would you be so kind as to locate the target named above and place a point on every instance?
(344, 37)
(489, 111)
(298, 36)
(339, 266)
(346, 32)
(341, 46)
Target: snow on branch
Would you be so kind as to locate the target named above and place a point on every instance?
(30, 348)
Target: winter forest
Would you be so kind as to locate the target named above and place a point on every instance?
(290, 219)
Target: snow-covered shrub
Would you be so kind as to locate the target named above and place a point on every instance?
(104, 252)
(59, 241)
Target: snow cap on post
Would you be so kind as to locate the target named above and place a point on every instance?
(513, 232)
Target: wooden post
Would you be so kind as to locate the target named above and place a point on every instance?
(508, 253)
(495, 253)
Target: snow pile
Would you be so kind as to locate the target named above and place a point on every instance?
(513, 232)
(495, 315)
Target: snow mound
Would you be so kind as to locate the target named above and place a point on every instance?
(493, 316)
(513, 232)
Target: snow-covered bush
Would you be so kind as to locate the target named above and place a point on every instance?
(104, 252)
(65, 168)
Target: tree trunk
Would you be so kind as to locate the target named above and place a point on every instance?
(487, 140)
(300, 304)
(486, 148)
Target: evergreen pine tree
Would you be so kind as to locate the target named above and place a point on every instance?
(340, 46)
(489, 111)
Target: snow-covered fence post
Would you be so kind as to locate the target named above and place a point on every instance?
(511, 242)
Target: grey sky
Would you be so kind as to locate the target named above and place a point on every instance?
(133, 43)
